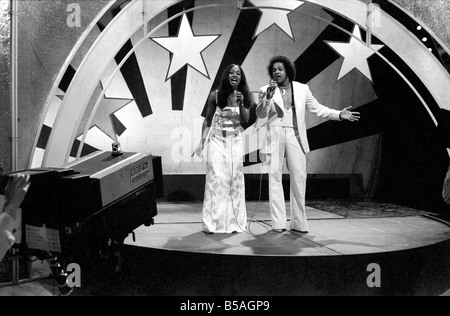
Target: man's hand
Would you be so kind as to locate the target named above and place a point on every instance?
(349, 116)
(271, 89)
(15, 193)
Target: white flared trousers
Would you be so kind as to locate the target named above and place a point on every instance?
(290, 149)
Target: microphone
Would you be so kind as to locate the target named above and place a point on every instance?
(271, 87)
(235, 89)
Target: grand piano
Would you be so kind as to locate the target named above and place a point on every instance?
(75, 210)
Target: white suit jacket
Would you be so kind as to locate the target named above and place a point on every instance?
(272, 118)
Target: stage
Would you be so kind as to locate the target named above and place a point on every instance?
(410, 247)
(354, 248)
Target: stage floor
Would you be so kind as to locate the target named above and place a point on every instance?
(376, 228)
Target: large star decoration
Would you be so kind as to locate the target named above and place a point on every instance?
(274, 16)
(106, 109)
(355, 55)
(186, 49)
(103, 118)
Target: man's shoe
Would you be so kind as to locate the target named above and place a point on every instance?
(299, 231)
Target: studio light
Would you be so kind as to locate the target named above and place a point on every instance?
(61, 277)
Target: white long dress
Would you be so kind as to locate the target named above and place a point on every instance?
(224, 209)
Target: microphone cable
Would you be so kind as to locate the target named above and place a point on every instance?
(260, 222)
(236, 218)
(249, 221)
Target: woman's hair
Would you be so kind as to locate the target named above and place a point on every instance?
(288, 65)
(225, 88)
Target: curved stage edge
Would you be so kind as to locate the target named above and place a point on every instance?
(381, 253)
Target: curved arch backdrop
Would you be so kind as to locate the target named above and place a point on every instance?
(142, 73)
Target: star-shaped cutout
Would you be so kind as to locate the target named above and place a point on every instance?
(186, 49)
(103, 116)
(274, 16)
(355, 55)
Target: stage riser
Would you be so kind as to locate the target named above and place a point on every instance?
(405, 273)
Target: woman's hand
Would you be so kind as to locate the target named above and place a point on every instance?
(239, 97)
(198, 151)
